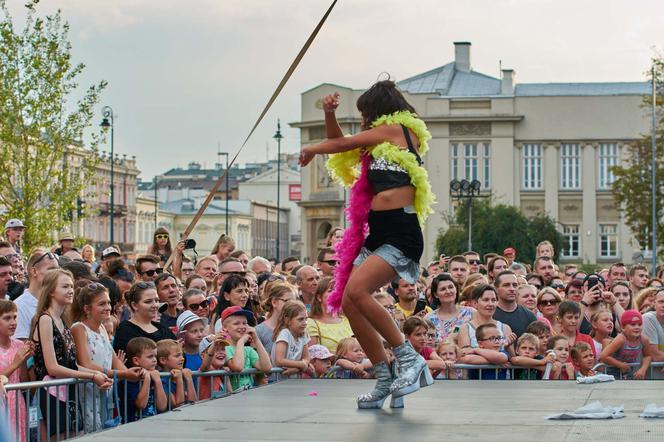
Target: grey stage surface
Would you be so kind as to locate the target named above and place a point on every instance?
(448, 410)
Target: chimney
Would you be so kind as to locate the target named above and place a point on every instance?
(507, 86)
(462, 55)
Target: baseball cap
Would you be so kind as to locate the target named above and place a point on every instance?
(631, 317)
(14, 223)
(509, 251)
(66, 236)
(207, 341)
(237, 310)
(109, 251)
(319, 352)
(185, 318)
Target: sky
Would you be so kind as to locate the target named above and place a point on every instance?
(188, 76)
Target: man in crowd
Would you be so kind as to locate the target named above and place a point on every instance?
(187, 268)
(289, 264)
(230, 266)
(8, 252)
(543, 266)
(617, 272)
(259, 265)
(66, 244)
(6, 276)
(459, 267)
(508, 311)
(638, 278)
(108, 255)
(653, 329)
(307, 279)
(206, 268)
(326, 261)
(14, 230)
(509, 254)
(147, 267)
(39, 263)
(408, 302)
(473, 261)
(169, 293)
(570, 270)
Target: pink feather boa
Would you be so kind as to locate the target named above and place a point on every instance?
(350, 245)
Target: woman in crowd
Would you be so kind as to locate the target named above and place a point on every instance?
(334, 237)
(527, 297)
(144, 304)
(161, 245)
(123, 278)
(277, 295)
(88, 255)
(623, 294)
(393, 196)
(92, 306)
(322, 327)
(223, 247)
(234, 292)
(548, 301)
(448, 317)
(55, 354)
(495, 266)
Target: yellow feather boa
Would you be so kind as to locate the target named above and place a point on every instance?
(344, 167)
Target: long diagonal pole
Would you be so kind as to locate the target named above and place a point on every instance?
(274, 96)
(653, 167)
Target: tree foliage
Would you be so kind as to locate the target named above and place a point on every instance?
(632, 188)
(41, 124)
(496, 227)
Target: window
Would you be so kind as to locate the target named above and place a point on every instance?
(608, 157)
(570, 241)
(532, 166)
(471, 161)
(608, 240)
(569, 166)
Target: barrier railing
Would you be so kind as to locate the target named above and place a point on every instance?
(655, 371)
(36, 408)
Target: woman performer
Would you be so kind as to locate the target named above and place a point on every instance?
(391, 193)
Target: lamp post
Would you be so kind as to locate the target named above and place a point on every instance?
(278, 137)
(156, 203)
(227, 194)
(107, 113)
(653, 168)
(465, 189)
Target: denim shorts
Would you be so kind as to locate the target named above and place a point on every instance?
(406, 268)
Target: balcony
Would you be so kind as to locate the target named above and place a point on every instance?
(118, 209)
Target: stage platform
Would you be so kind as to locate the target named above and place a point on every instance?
(325, 410)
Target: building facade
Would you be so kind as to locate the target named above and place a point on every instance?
(543, 147)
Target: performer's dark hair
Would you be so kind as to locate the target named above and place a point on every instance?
(383, 98)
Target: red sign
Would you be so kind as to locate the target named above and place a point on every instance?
(295, 192)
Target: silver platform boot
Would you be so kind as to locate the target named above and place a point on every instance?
(376, 398)
(413, 371)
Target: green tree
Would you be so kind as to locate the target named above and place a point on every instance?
(632, 188)
(496, 227)
(42, 125)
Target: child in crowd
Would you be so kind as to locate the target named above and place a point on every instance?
(629, 347)
(489, 351)
(602, 327)
(450, 353)
(569, 315)
(291, 341)
(584, 360)
(171, 359)
(431, 334)
(235, 322)
(416, 330)
(321, 360)
(527, 355)
(213, 354)
(191, 330)
(149, 398)
(351, 360)
(562, 367)
(543, 333)
(13, 357)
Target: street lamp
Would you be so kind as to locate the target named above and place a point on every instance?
(465, 189)
(653, 168)
(107, 113)
(227, 175)
(278, 137)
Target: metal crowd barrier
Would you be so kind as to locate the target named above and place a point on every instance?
(26, 397)
(655, 371)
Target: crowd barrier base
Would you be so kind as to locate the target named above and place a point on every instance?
(90, 417)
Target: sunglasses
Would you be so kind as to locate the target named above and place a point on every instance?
(557, 286)
(49, 254)
(161, 236)
(493, 339)
(331, 262)
(546, 302)
(201, 305)
(151, 273)
(474, 261)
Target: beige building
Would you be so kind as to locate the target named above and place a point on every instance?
(544, 147)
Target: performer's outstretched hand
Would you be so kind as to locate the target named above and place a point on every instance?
(331, 102)
(305, 157)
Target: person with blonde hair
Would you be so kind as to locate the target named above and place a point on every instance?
(645, 299)
(88, 255)
(223, 247)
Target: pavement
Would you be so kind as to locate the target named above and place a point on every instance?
(325, 411)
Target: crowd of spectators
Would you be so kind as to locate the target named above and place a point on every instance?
(112, 321)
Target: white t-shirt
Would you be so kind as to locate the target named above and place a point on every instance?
(654, 331)
(295, 346)
(26, 304)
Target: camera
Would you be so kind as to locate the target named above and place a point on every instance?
(189, 244)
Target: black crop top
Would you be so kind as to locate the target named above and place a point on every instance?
(384, 175)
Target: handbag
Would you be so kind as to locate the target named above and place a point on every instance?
(117, 420)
